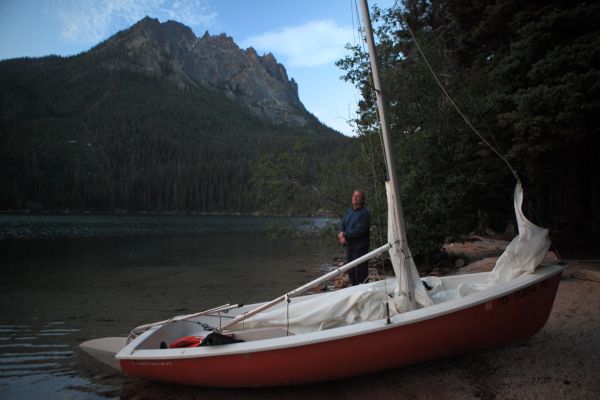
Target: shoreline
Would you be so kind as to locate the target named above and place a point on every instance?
(119, 212)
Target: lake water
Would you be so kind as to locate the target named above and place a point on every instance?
(67, 279)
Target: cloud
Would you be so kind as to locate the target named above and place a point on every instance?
(94, 20)
(312, 44)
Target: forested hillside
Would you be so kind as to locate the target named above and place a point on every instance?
(527, 75)
(130, 126)
(155, 119)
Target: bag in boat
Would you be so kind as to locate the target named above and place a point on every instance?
(217, 339)
(186, 341)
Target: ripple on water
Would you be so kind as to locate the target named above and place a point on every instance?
(38, 361)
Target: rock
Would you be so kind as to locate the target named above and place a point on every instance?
(484, 265)
(341, 282)
(171, 50)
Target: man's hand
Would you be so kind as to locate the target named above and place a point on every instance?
(341, 238)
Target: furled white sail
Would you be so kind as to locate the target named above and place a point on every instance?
(523, 254)
(410, 293)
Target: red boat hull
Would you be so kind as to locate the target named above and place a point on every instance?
(498, 322)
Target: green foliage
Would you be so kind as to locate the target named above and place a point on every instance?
(73, 135)
(527, 77)
(540, 66)
(82, 137)
(433, 160)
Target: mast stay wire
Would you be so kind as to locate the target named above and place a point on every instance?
(362, 41)
(370, 159)
(456, 107)
(464, 117)
(459, 111)
(371, 85)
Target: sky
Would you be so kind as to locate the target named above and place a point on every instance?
(306, 36)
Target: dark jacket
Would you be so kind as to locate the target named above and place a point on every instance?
(356, 225)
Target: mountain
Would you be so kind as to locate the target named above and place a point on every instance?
(171, 51)
(157, 119)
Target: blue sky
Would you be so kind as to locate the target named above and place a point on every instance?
(306, 36)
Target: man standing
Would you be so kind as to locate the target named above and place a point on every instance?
(354, 234)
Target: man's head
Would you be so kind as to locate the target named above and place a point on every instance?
(358, 199)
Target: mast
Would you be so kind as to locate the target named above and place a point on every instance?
(398, 221)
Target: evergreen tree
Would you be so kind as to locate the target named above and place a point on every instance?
(524, 74)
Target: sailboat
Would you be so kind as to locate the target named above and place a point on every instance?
(362, 329)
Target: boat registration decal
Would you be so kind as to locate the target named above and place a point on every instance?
(500, 301)
(152, 363)
(519, 294)
(524, 292)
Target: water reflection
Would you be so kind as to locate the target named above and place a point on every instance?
(34, 365)
(25, 226)
(60, 290)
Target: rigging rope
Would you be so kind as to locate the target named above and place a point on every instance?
(439, 83)
(463, 116)
(456, 107)
(371, 158)
(361, 40)
(287, 315)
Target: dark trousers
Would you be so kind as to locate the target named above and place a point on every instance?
(359, 273)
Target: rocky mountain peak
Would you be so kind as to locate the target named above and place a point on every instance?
(172, 51)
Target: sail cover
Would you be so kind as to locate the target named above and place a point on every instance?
(327, 310)
(358, 303)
